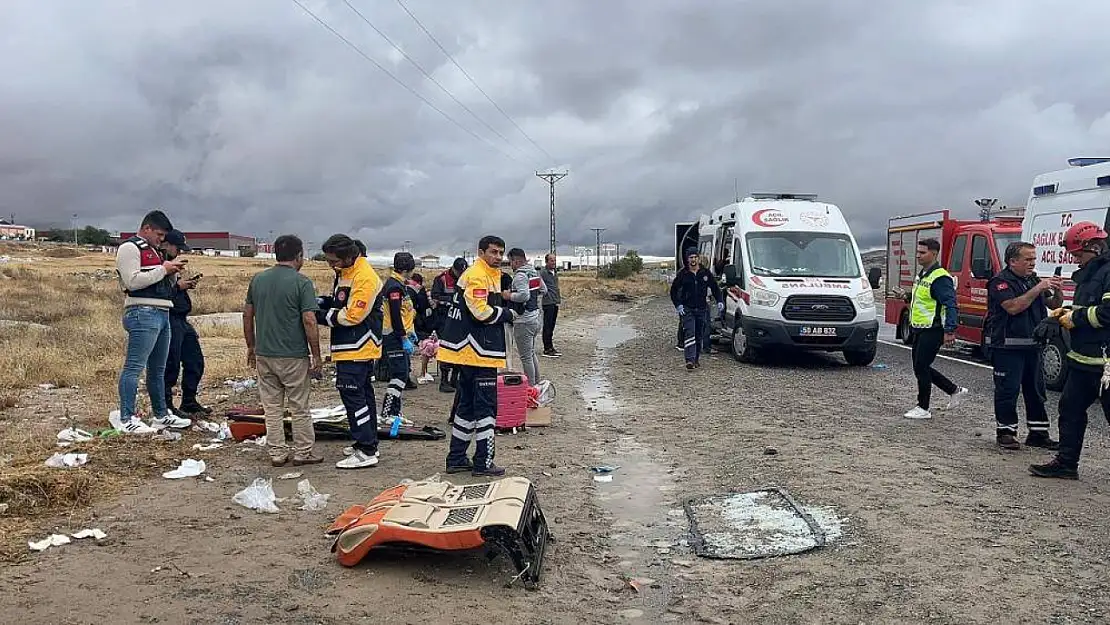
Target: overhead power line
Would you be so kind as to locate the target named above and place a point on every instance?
(474, 82)
(426, 73)
(400, 82)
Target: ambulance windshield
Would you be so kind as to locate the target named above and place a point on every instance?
(802, 255)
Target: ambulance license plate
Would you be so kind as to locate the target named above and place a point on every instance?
(812, 331)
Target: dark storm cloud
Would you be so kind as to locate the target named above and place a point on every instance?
(249, 116)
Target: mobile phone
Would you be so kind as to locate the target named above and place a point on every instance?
(1058, 271)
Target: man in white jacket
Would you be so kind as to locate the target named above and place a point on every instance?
(526, 294)
(148, 280)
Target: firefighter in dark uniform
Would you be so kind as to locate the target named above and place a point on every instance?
(186, 360)
(1088, 320)
(690, 294)
(398, 336)
(443, 292)
(473, 339)
(1017, 303)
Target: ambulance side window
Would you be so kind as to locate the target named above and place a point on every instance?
(959, 250)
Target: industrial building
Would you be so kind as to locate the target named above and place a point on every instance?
(11, 230)
(219, 241)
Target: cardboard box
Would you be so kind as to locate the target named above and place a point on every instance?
(539, 417)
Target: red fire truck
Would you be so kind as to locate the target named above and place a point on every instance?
(971, 250)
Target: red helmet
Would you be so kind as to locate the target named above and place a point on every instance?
(1080, 236)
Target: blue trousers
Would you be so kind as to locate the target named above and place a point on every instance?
(148, 346)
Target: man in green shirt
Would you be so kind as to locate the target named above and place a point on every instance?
(279, 325)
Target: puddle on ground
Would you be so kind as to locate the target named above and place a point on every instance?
(610, 332)
(642, 495)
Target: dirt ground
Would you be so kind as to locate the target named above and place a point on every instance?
(939, 526)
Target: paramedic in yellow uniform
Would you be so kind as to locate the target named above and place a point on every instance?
(473, 339)
(398, 333)
(354, 314)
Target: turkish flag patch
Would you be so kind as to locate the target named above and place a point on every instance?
(481, 292)
(395, 295)
(1002, 286)
(360, 304)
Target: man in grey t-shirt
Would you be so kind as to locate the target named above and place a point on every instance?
(551, 302)
(283, 344)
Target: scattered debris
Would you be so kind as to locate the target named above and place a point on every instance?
(167, 435)
(878, 365)
(74, 435)
(209, 447)
(62, 461)
(93, 533)
(258, 496)
(48, 387)
(310, 497)
(240, 386)
(603, 478)
(3, 508)
(54, 540)
(770, 451)
(188, 468)
(603, 469)
(290, 476)
(207, 426)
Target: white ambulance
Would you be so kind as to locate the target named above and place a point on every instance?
(1057, 200)
(793, 276)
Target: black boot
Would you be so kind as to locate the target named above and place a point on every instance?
(1042, 441)
(1008, 441)
(1055, 469)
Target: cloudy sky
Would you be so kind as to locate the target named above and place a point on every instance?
(249, 116)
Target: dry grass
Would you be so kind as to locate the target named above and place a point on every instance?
(76, 296)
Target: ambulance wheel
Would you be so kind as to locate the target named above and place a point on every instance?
(904, 329)
(1054, 364)
(742, 351)
(860, 357)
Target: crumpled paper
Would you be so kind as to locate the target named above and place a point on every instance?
(62, 461)
(188, 468)
(310, 497)
(74, 435)
(57, 540)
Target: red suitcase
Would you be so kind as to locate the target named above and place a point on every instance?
(512, 400)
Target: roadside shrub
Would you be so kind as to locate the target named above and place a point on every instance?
(626, 267)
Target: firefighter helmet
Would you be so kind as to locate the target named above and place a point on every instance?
(1081, 235)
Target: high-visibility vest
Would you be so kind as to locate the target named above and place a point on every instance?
(923, 308)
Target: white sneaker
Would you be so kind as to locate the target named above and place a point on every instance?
(357, 460)
(133, 426)
(918, 413)
(350, 450)
(958, 398)
(170, 420)
(425, 379)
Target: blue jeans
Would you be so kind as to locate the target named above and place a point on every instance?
(148, 346)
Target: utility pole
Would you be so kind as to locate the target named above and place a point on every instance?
(407, 244)
(597, 250)
(551, 178)
(75, 228)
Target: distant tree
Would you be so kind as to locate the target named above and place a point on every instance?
(626, 267)
(85, 236)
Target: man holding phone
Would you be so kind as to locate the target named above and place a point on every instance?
(147, 279)
(185, 360)
(1017, 303)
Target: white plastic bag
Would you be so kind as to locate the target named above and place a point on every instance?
(310, 497)
(258, 496)
(547, 393)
